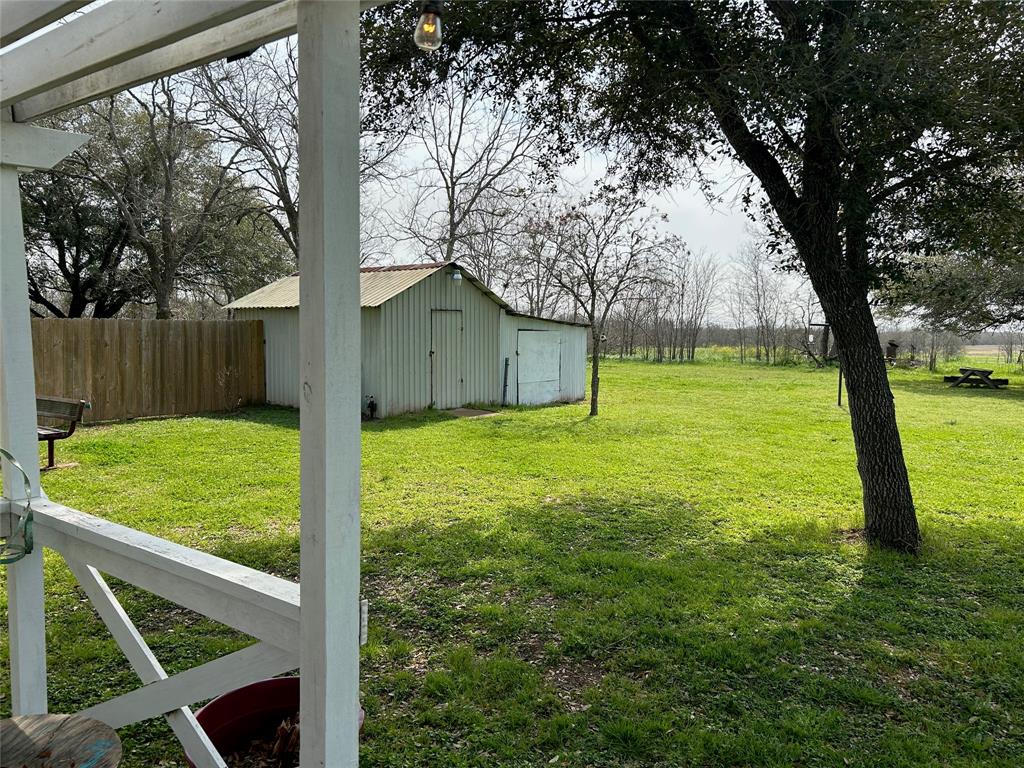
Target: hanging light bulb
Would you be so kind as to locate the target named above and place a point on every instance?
(428, 31)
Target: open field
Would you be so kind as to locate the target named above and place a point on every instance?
(989, 355)
(992, 351)
(674, 582)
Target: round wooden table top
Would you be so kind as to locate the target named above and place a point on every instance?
(58, 741)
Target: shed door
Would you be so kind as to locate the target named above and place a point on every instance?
(539, 366)
(446, 372)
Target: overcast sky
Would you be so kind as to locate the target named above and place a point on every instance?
(719, 229)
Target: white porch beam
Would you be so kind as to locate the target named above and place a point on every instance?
(107, 36)
(237, 36)
(25, 598)
(128, 638)
(249, 665)
(28, 147)
(20, 18)
(228, 39)
(329, 319)
(193, 739)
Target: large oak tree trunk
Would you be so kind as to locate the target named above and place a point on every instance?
(889, 517)
(595, 380)
(163, 307)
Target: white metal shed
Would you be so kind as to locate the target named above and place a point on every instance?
(433, 335)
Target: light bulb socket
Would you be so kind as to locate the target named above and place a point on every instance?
(432, 6)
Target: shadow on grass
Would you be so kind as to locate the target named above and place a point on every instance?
(280, 416)
(271, 415)
(662, 560)
(288, 418)
(788, 638)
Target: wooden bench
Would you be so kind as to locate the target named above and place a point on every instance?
(67, 413)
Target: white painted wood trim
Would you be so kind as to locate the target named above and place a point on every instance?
(329, 318)
(28, 147)
(249, 665)
(20, 18)
(25, 596)
(261, 605)
(193, 739)
(8, 521)
(184, 724)
(226, 40)
(107, 36)
(243, 34)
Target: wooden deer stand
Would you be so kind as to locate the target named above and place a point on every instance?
(314, 627)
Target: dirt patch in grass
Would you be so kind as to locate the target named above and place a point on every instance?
(850, 535)
(570, 680)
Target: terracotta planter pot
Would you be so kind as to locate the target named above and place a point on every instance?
(238, 718)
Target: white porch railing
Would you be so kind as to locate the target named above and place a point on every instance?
(261, 605)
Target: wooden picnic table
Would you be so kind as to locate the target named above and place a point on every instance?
(58, 741)
(976, 377)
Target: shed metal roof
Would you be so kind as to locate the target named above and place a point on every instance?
(577, 323)
(376, 286)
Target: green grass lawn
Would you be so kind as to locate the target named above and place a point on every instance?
(674, 582)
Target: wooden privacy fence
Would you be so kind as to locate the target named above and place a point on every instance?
(133, 368)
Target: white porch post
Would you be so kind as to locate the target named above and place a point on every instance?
(22, 147)
(330, 402)
(17, 434)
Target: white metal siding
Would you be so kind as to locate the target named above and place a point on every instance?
(573, 355)
(405, 343)
(447, 373)
(574, 363)
(371, 352)
(281, 348)
(397, 341)
(539, 356)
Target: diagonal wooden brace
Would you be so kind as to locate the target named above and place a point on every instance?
(249, 665)
(191, 735)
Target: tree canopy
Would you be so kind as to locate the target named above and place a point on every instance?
(146, 213)
(78, 250)
(970, 275)
(903, 111)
